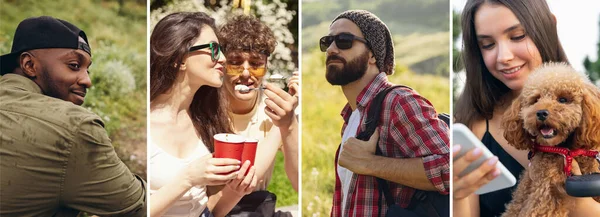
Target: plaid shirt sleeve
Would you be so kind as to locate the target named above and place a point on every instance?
(336, 208)
(337, 194)
(416, 130)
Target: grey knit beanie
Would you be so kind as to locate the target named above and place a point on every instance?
(377, 35)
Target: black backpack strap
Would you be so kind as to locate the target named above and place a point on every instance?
(444, 117)
(384, 189)
(372, 121)
(373, 114)
(426, 200)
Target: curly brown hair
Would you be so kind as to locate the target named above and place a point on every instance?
(247, 33)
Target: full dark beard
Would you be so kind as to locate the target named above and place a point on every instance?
(352, 71)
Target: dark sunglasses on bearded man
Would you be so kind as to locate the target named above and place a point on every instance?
(342, 41)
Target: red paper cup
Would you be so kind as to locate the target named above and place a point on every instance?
(229, 146)
(249, 151)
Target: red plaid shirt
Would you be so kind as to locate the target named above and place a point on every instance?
(408, 128)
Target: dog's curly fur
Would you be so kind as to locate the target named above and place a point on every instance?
(573, 105)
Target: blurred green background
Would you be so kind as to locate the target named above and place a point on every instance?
(116, 31)
(421, 38)
(281, 16)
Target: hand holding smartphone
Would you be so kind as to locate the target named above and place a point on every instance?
(463, 136)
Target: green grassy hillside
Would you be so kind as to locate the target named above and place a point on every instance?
(420, 29)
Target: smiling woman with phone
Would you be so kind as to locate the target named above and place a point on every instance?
(503, 42)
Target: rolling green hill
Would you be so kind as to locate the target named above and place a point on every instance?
(420, 29)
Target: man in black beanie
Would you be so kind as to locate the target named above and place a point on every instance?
(55, 156)
(413, 142)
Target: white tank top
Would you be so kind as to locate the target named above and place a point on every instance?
(164, 168)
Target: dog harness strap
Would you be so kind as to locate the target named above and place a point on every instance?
(569, 166)
(566, 153)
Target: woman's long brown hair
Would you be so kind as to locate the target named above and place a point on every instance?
(483, 91)
(169, 44)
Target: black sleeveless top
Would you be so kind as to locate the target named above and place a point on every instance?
(494, 203)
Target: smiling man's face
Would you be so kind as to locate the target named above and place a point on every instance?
(63, 73)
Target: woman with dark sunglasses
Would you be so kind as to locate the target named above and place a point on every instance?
(186, 110)
(258, 110)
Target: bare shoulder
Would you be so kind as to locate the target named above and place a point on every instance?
(478, 127)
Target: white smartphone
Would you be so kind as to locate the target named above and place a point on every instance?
(464, 137)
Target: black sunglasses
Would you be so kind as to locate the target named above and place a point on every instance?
(215, 50)
(342, 41)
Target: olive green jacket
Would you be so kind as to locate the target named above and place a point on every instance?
(56, 158)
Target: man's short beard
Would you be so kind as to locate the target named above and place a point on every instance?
(52, 88)
(352, 71)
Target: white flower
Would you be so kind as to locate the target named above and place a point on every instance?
(274, 15)
(314, 172)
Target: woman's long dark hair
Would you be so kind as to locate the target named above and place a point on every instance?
(169, 44)
(482, 90)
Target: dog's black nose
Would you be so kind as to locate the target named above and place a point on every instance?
(542, 114)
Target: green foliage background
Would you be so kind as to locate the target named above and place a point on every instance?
(117, 36)
(593, 67)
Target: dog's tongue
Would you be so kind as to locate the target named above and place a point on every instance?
(547, 131)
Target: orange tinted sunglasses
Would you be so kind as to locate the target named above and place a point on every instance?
(235, 70)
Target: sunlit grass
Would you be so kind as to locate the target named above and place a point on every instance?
(280, 184)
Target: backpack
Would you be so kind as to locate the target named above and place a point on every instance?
(423, 203)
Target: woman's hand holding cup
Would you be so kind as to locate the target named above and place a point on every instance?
(211, 171)
(243, 185)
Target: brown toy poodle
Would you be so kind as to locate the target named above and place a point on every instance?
(558, 109)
